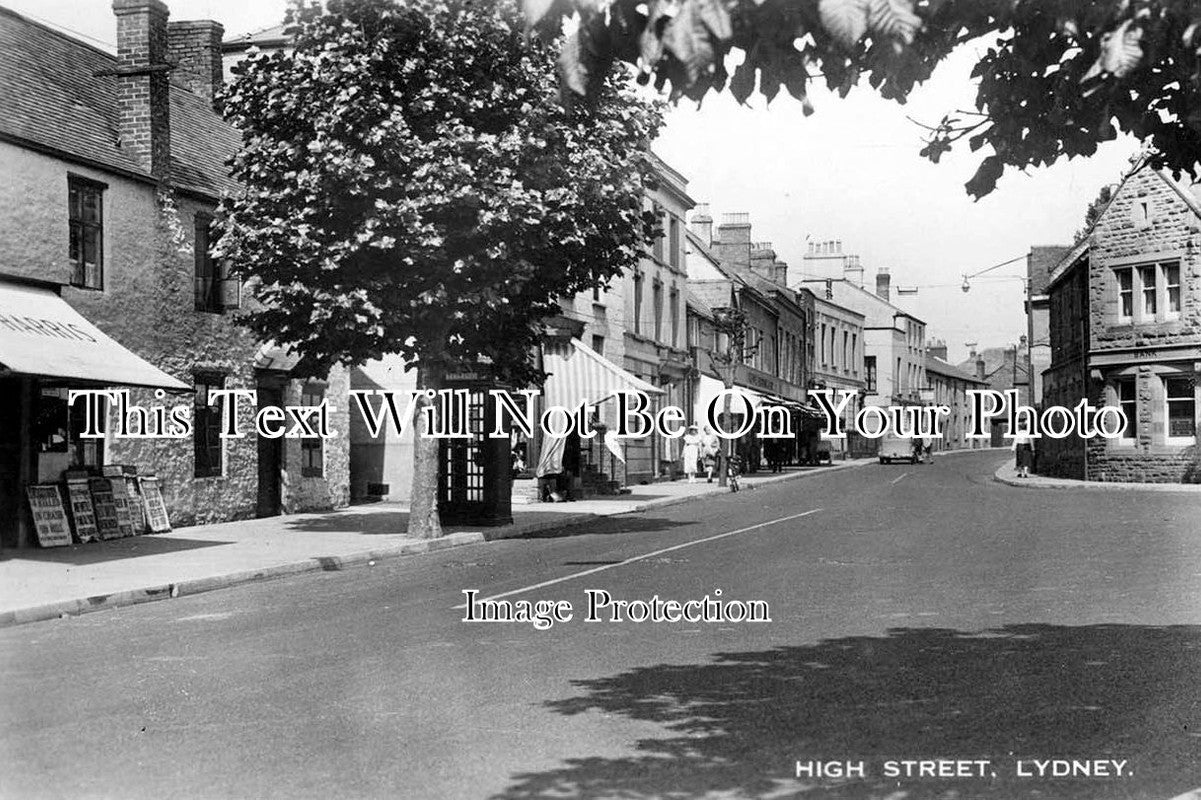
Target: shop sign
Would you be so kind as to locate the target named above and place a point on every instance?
(83, 517)
(156, 509)
(107, 522)
(49, 516)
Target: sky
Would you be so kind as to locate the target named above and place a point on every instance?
(849, 172)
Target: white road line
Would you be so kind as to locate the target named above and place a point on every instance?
(594, 570)
(898, 478)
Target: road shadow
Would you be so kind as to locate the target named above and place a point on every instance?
(607, 526)
(108, 550)
(736, 727)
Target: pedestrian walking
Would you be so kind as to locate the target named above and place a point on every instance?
(1023, 448)
(692, 452)
(710, 452)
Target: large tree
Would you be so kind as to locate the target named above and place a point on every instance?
(413, 185)
(1057, 77)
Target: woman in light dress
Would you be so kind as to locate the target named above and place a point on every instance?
(692, 453)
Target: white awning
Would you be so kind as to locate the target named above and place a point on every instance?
(578, 373)
(709, 388)
(41, 335)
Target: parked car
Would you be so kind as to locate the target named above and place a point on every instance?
(896, 448)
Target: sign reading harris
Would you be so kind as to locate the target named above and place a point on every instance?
(445, 416)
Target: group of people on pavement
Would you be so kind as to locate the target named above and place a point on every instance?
(701, 450)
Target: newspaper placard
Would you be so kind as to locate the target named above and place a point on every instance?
(83, 516)
(156, 509)
(49, 516)
(107, 524)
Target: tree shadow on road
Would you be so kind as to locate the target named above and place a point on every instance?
(736, 727)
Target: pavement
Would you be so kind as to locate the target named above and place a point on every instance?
(1007, 473)
(40, 584)
(918, 612)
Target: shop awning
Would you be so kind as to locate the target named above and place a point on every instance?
(41, 335)
(709, 388)
(578, 373)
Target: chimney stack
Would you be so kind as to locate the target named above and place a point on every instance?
(195, 47)
(937, 349)
(143, 96)
(702, 224)
(852, 270)
(979, 369)
(883, 283)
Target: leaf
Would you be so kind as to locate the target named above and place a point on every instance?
(844, 20)
(1121, 52)
(893, 19)
(986, 177)
(743, 82)
(686, 37)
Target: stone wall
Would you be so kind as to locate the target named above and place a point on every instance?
(148, 305)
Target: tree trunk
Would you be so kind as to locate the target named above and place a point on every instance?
(727, 445)
(423, 505)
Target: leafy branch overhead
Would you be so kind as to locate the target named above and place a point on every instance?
(1055, 78)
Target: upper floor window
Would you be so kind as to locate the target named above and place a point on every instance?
(216, 290)
(85, 212)
(674, 299)
(1146, 280)
(657, 333)
(869, 366)
(673, 241)
(1125, 293)
(637, 302)
(657, 247)
(1180, 396)
(1148, 293)
(1171, 279)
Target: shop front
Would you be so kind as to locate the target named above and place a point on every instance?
(48, 349)
(569, 466)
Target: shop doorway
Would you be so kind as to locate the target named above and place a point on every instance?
(271, 457)
(11, 475)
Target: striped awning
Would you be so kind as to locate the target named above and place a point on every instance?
(578, 373)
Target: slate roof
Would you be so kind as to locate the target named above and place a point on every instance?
(940, 367)
(52, 100)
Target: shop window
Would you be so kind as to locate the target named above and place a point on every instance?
(1181, 403)
(206, 427)
(85, 203)
(312, 450)
(1127, 392)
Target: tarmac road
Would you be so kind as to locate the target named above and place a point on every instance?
(918, 613)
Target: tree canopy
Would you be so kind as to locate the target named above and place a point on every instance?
(1057, 78)
(413, 185)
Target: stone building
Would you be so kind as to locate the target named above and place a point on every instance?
(1125, 323)
(839, 359)
(948, 386)
(729, 270)
(1039, 263)
(114, 166)
(894, 341)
